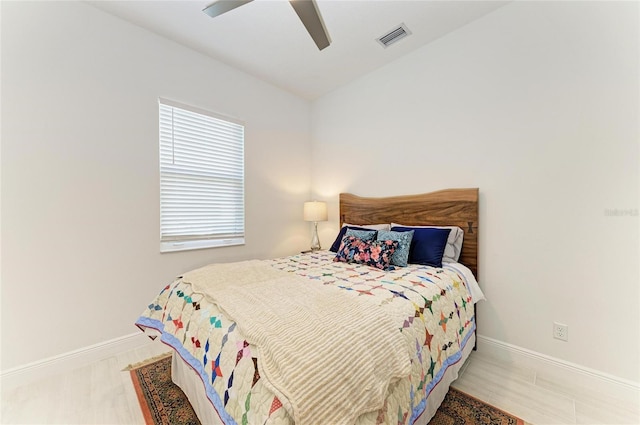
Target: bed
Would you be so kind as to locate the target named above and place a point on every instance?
(405, 334)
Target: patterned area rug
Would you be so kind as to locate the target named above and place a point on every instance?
(163, 402)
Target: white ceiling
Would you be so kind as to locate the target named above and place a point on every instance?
(265, 38)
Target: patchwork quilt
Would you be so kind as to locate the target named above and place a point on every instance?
(431, 307)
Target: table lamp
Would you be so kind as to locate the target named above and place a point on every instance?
(315, 211)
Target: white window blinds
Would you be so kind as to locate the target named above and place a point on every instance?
(201, 179)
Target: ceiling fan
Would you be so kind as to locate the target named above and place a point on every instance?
(307, 11)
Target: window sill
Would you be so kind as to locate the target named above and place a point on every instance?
(199, 244)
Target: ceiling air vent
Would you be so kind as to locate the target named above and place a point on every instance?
(398, 33)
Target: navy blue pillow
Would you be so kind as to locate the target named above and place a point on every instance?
(427, 245)
(343, 230)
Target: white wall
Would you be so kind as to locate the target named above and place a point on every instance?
(537, 105)
(80, 183)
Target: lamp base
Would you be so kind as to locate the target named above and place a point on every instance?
(315, 241)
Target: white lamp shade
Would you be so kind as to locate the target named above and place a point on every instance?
(315, 211)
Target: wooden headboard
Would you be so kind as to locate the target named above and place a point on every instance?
(450, 207)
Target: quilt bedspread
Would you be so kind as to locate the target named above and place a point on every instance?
(432, 307)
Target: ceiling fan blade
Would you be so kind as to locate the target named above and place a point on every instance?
(308, 13)
(223, 6)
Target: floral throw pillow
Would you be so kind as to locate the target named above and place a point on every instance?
(372, 253)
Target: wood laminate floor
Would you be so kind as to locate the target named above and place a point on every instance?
(103, 394)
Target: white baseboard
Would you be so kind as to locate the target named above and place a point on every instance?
(560, 370)
(66, 362)
(547, 366)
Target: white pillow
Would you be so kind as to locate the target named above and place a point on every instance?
(372, 226)
(454, 241)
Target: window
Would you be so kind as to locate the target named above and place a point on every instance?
(201, 179)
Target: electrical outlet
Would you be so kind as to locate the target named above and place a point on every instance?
(560, 331)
